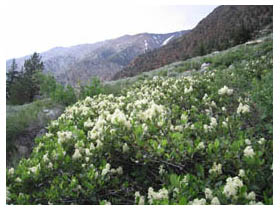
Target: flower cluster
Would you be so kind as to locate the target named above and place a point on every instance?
(180, 135)
(249, 152)
(139, 198)
(232, 186)
(225, 91)
(216, 169)
(243, 108)
(161, 194)
(64, 136)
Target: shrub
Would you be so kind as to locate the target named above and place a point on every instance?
(93, 89)
(63, 95)
(188, 140)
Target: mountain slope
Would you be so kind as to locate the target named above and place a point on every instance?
(101, 59)
(225, 27)
(205, 138)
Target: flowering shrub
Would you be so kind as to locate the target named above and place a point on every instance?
(163, 141)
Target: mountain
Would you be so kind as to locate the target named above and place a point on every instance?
(225, 27)
(102, 59)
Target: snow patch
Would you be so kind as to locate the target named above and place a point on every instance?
(146, 44)
(167, 40)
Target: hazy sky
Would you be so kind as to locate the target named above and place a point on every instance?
(33, 25)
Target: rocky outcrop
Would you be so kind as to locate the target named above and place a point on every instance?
(24, 142)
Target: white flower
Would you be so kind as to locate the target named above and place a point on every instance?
(175, 190)
(49, 135)
(54, 123)
(161, 194)
(215, 201)
(18, 179)
(50, 165)
(261, 141)
(225, 124)
(251, 196)
(120, 170)
(206, 128)
(179, 128)
(249, 152)
(224, 109)
(11, 171)
(255, 203)
(63, 136)
(200, 146)
(76, 154)
(91, 146)
(225, 91)
(125, 148)
(152, 111)
(161, 170)
(141, 198)
(205, 97)
(232, 186)
(88, 123)
(184, 117)
(188, 90)
(106, 202)
(216, 169)
(34, 169)
(197, 201)
(247, 141)
(45, 157)
(119, 117)
(213, 122)
(243, 108)
(208, 193)
(106, 169)
(87, 151)
(241, 173)
(213, 104)
(98, 143)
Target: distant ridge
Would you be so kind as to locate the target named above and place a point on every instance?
(80, 63)
(225, 27)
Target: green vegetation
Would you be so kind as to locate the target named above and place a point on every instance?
(205, 138)
(19, 119)
(23, 86)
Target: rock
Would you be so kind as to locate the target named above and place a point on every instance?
(254, 42)
(23, 150)
(231, 66)
(54, 113)
(205, 65)
(41, 132)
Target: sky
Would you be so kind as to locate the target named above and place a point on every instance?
(34, 25)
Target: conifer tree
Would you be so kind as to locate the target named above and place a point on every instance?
(32, 67)
(11, 77)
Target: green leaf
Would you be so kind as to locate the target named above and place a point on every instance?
(175, 180)
(182, 201)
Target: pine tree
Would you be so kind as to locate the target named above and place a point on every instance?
(27, 83)
(32, 67)
(11, 77)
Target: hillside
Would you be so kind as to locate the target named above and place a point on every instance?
(225, 27)
(102, 59)
(182, 134)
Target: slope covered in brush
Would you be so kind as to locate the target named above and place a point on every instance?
(225, 27)
(199, 139)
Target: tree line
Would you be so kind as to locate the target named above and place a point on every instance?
(30, 83)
